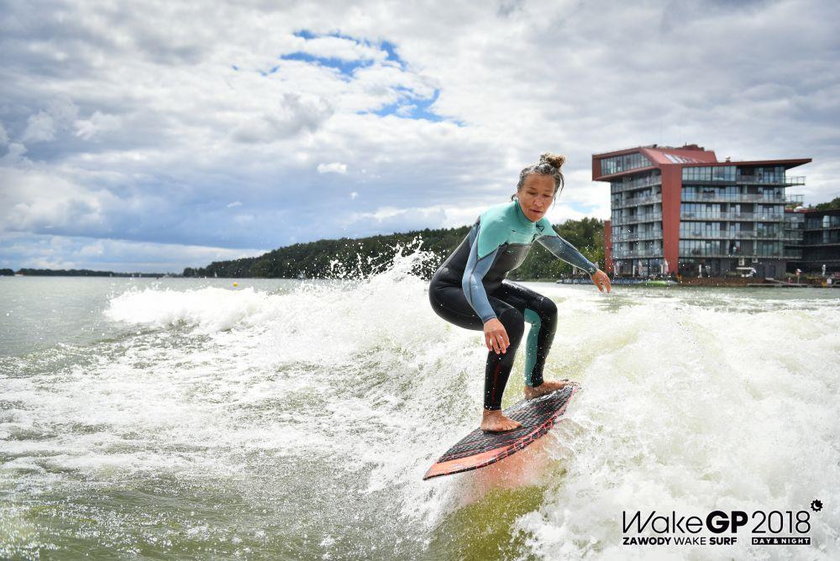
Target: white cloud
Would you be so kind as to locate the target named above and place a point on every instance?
(394, 219)
(292, 114)
(92, 250)
(97, 124)
(40, 128)
(133, 124)
(63, 252)
(340, 48)
(335, 167)
(15, 155)
(33, 200)
(45, 125)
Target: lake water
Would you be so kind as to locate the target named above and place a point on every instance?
(191, 419)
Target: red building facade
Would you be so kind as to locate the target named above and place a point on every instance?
(680, 210)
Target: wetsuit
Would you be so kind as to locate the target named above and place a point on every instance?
(470, 289)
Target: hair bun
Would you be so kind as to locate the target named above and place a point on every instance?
(554, 160)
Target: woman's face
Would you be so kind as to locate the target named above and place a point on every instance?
(536, 195)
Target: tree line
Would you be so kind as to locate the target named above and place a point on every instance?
(831, 205)
(360, 257)
(74, 273)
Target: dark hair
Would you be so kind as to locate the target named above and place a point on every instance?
(549, 165)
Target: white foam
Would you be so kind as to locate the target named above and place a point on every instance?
(211, 309)
(700, 408)
(689, 402)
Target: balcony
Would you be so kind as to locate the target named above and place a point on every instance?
(742, 216)
(634, 253)
(655, 235)
(748, 180)
(769, 180)
(638, 201)
(712, 252)
(732, 198)
(811, 227)
(636, 184)
(649, 217)
(725, 235)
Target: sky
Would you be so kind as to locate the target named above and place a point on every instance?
(157, 135)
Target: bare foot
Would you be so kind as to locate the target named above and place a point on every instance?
(495, 421)
(544, 388)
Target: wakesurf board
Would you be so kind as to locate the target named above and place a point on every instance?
(479, 449)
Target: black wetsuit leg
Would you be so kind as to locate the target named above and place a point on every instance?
(541, 313)
(512, 304)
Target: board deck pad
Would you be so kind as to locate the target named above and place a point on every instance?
(479, 449)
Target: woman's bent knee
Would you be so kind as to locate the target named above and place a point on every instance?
(547, 308)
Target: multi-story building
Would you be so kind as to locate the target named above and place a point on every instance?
(817, 242)
(680, 210)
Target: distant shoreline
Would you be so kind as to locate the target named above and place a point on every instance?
(711, 282)
(78, 273)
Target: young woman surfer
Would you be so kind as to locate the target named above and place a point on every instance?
(469, 289)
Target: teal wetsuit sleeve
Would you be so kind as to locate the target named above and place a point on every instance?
(473, 274)
(562, 249)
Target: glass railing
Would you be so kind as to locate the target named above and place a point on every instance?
(732, 216)
(637, 201)
(737, 236)
(650, 217)
(720, 253)
(770, 179)
(746, 179)
(733, 197)
(793, 224)
(656, 235)
(637, 253)
(617, 187)
(817, 227)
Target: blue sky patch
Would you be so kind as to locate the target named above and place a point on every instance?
(304, 34)
(346, 67)
(391, 49)
(412, 106)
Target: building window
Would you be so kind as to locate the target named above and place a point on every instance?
(766, 174)
(625, 162)
(700, 230)
(709, 173)
(767, 230)
(701, 248)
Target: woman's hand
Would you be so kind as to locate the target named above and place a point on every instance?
(495, 336)
(600, 279)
